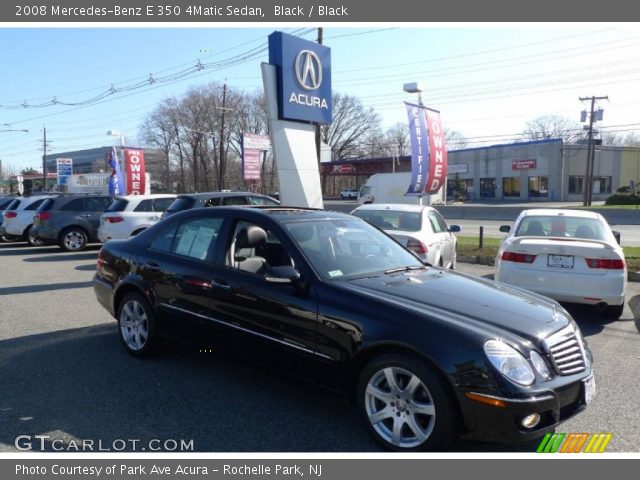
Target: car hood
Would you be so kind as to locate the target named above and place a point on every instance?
(467, 299)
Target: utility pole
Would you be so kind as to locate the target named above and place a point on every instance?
(221, 170)
(45, 146)
(590, 151)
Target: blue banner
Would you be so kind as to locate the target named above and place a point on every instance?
(419, 149)
(116, 181)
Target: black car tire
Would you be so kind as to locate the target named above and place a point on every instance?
(437, 430)
(614, 312)
(73, 239)
(137, 325)
(32, 240)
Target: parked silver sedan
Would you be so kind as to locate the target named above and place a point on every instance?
(419, 228)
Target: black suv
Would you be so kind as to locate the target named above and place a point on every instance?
(188, 201)
(71, 221)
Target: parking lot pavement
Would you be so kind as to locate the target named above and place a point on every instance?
(63, 372)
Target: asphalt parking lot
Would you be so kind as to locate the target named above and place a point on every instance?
(64, 373)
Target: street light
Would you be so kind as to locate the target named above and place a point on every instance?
(117, 133)
(413, 87)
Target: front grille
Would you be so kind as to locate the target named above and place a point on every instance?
(567, 351)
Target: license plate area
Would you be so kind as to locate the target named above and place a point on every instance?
(589, 385)
(560, 261)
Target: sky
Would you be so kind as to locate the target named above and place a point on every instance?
(487, 80)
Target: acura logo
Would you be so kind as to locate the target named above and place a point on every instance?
(308, 70)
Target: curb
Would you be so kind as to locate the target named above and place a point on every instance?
(631, 276)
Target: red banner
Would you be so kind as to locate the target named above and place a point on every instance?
(523, 164)
(134, 171)
(437, 153)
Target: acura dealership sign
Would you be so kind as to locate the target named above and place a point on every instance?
(304, 78)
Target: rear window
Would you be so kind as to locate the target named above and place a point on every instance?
(181, 203)
(392, 220)
(562, 227)
(14, 205)
(35, 205)
(118, 205)
(5, 202)
(75, 205)
(257, 200)
(234, 200)
(46, 205)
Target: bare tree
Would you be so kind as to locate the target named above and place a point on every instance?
(547, 127)
(631, 139)
(454, 140)
(351, 125)
(397, 139)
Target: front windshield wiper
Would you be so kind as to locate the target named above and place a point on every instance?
(404, 269)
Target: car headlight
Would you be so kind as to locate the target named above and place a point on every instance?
(540, 365)
(509, 362)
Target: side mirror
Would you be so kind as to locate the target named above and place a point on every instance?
(617, 235)
(282, 274)
(455, 228)
(505, 228)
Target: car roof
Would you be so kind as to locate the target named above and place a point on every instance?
(278, 213)
(401, 207)
(218, 194)
(147, 196)
(546, 212)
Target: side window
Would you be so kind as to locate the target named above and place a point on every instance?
(161, 204)
(255, 200)
(234, 201)
(35, 204)
(97, 204)
(255, 254)
(195, 237)
(437, 224)
(164, 240)
(144, 206)
(212, 202)
(75, 205)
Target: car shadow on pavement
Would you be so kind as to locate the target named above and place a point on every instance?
(90, 267)
(47, 287)
(14, 252)
(81, 384)
(590, 321)
(64, 257)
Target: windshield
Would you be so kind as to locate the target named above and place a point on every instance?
(392, 220)
(563, 227)
(348, 248)
(366, 190)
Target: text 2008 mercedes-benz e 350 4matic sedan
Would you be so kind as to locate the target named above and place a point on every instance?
(426, 354)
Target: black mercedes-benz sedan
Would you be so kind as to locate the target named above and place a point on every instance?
(426, 354)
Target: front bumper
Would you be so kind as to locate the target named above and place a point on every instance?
(503, 424)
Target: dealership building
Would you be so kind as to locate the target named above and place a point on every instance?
(546, 170)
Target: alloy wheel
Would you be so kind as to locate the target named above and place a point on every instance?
(134, 325)
(400, 407)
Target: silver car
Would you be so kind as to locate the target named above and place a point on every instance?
(419, 228)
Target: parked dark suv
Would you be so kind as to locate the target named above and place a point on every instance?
(71, 221)
(188, 201)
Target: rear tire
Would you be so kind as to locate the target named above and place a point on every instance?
(73, 239)
(405, 405)
(31, 240)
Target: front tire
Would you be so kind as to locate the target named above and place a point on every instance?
(137, 325)
(73, 239)
(405, 405)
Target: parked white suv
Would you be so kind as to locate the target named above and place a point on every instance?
(129, 215)
(18, 218)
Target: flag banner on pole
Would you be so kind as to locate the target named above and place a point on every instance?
(419, 149)
(116, 182)
(437, 153)
(135, 170)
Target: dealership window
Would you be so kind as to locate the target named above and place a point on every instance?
(487, 188)
(601, 185)
(459, 188)
(576, 184)
(538, 186)
(511, 186)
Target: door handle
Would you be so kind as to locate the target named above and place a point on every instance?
(220, 285)
(154, 267)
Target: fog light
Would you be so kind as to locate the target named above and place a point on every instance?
(531, 421)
